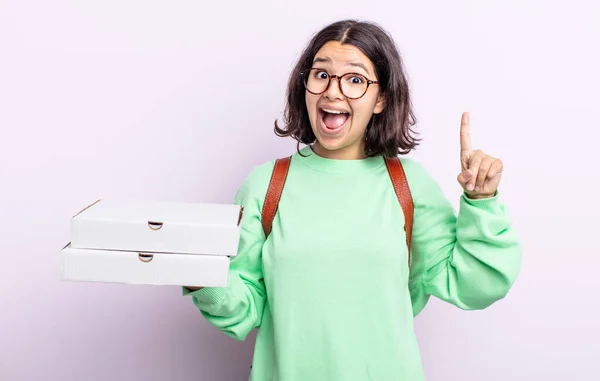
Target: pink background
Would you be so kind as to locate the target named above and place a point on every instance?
(141, 99)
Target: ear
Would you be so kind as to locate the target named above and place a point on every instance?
(380, 104)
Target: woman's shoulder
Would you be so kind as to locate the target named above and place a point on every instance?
(414, 169)
(419, 177)
(260, 174)
(256, 181)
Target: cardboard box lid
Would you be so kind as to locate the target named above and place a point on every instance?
(162, 212)
(158, 226)
(144, 268)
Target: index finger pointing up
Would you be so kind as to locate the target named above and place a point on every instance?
(465, 133)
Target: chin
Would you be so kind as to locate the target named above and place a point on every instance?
(331, 143)
(331, 146)
(340, 149)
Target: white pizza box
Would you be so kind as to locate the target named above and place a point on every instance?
(158, 226)
(112, 266)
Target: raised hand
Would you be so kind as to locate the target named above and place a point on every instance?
(480, 173)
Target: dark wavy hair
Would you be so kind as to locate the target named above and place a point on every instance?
(388, 133)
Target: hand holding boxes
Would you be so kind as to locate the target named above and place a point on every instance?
(159, 243)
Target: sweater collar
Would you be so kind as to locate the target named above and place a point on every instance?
(308, 157)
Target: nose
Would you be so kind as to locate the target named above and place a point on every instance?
(333, 91)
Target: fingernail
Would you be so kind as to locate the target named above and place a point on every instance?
(469, 187)
(477, 189)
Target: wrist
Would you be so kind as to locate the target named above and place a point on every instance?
(480, 196)
(193, 288)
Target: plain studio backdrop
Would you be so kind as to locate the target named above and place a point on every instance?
(175, 100)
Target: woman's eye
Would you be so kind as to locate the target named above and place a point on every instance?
(356, 80)
(321, 75)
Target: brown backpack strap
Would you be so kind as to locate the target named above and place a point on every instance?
(274, 191)
(402, 190)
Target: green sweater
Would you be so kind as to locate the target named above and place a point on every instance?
(330, 289)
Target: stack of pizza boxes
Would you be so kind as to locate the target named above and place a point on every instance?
(150, 242)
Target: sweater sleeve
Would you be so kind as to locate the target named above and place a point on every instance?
(471, 258)
(237, 309)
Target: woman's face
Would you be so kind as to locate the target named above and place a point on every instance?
(340, 123)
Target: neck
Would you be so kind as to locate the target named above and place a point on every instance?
(355, 152)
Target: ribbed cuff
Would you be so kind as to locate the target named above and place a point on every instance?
(490, 204)
(207, 299)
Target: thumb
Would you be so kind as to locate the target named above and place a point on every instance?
(464, 177)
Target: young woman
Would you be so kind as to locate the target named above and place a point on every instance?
(331, 288)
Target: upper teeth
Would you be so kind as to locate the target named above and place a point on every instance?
(334, 111)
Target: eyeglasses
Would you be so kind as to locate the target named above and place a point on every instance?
(352, 85)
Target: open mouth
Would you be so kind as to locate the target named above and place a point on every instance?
(333, 121)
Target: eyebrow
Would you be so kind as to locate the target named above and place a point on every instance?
(355, 64)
